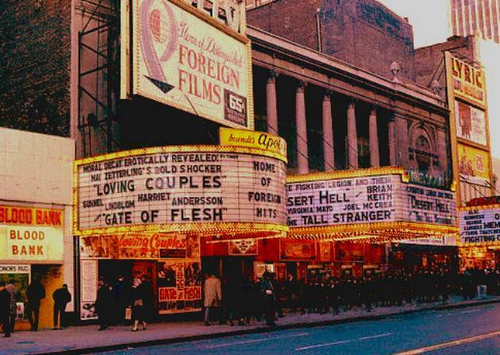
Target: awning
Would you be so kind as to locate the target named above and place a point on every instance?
(373, 232)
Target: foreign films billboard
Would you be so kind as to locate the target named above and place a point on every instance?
(187, 59)
(179, 186)
(371, 199)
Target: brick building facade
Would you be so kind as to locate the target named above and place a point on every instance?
(35, 42)
(363, 33)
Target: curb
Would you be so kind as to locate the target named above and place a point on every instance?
(263, 329)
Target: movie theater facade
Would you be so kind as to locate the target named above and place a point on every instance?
(147, 212)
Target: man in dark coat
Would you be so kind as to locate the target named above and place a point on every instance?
(5, 309)
(35, 294)
(61, 298)
(14, 297)
(104, 304)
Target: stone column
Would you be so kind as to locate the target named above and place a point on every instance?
(373, 132)
(300, 121)
(272, 106)
(352, 137)
(442, 151)
(402, 144)
(391, 127)
(328, 147)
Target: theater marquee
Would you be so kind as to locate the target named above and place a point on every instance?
(371, 203)
(188, 59)
(181, 188)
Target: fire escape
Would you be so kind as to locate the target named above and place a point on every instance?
(98, 75)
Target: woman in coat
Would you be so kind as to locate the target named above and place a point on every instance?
(213, 295)
(138, 301)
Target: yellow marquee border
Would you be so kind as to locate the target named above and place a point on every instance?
(345, 174)
(226, 228)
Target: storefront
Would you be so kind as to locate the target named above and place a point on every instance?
(479, 246)
(173, 212)
(31, 245)
(360, 213)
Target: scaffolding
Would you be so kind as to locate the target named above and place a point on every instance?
(98, 75)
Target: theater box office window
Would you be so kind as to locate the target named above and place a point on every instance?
(145, 212)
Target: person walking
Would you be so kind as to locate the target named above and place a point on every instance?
(14, 298)
(149, 297)
(5, 309)
(61, 298)
(213, 296)
(103, 304)
(35, 293)
(138, 297)
(269, 294)
(120, 290)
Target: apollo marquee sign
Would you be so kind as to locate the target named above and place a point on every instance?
(180, 186)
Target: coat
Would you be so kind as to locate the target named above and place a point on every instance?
(35, 293)
(213, 292)
(61, 297)
(4, 304)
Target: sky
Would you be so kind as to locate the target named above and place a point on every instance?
(429, 19)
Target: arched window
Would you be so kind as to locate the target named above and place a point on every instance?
(423, 154)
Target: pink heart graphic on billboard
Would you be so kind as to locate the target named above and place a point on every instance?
(159, 40)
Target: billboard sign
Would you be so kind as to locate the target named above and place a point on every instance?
(468, 81)
(473, 164)
(471, 123)
(184, 58)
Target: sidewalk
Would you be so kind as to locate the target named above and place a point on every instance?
(86, 339)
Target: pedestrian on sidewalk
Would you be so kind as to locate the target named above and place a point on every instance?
(138, 297)
(104, 304)
(269, 294)
(61, 298)
(14, 298)
(5, 309)
(121, 293)
(213, 296)
(149, 296)
(35, 294)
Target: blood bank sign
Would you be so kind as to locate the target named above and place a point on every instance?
(199, 185)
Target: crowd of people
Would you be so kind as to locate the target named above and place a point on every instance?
(241, 301)
(35, 293)
(268, 298)
(124, 302)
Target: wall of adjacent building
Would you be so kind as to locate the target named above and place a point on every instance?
(361, 32)
(35, 65)
(36, 170)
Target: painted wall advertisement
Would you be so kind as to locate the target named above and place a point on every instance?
(184, 61)
(367, 200)
(473, 164)
(480, 225)
(471, 123)
(181, 188)
(31, 234)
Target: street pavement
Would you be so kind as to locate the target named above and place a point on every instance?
(457, 331)
(293, 327)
